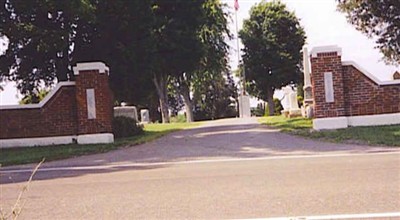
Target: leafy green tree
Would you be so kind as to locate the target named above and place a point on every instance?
(215, 97)
(176, 48)
(273, 39)
(43, 38)
(378, 19)
(146, 44)
(212, 34)
(122, 39)
(34, 98)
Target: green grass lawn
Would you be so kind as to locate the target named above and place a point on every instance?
(374, 135)
(24, 155)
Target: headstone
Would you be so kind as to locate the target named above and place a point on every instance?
(285, 102)
(144, 115)
(126, 111)
(294, 109)
(289, 103)
(244, 106)
(309, 111)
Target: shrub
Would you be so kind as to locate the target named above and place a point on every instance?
(126, 127)
(278, 106)
(178, 119)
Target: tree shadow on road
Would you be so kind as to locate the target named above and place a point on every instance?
(206, 142)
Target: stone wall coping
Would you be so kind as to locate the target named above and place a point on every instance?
(326, 49)
(41, 103)
(91, 66)
(369, 75)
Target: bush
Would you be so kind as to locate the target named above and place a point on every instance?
(126, 127)
(178, 119)
(278, 106)
(300, 100)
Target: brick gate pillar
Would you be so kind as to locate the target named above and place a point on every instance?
(328, 87)
(94, 103)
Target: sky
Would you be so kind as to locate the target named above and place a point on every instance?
(323, 25)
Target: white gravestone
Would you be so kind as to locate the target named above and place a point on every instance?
(145, 116)
(244, 106)
(293, 104)
(285, 102)
(289, 102)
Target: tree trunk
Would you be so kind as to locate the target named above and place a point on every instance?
(161, 87)
(270, 100)
(188, 102)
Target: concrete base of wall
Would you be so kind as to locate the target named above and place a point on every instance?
(330, 123)
(32, 142)
(96, 138)
(44, 141)
(354, 121)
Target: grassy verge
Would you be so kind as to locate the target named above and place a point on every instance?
(374, 135)
(24, 155)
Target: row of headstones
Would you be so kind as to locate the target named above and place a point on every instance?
(291, 106)
(131, 112)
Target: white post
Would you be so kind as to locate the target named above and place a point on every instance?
(307, 88)
(306, 66)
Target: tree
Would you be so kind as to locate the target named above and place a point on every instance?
(378, 19)
(176, 49)
(212, 34)
(34, 98)
(117, 32)
(214, 97)
(43, 38)
(146, 43)
(273, 39)
(122, 39)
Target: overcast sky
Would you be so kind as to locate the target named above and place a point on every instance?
(323, 26)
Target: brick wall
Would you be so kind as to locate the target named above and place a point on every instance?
(56, 118)
(356, 92)
(65, 113)
(365, 97)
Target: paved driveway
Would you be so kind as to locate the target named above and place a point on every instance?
(220, 139)
(232, 168)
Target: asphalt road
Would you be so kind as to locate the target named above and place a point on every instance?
(342, 179)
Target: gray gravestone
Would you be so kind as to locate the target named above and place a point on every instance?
(126, 111)
(144, 115)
